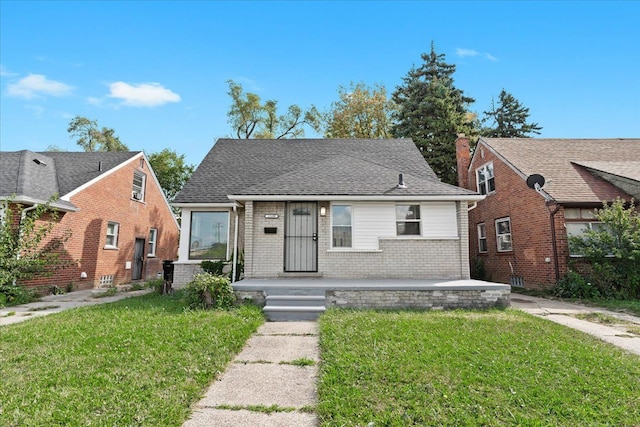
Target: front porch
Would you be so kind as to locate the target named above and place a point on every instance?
(306, 298)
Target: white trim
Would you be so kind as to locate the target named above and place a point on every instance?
(410, 237)
(354, 198)
(348, 250)
(206, 205)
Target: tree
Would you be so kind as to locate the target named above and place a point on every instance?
(27, 249)
(250, 118)
(360, 112)
(90, 138)
(171, 170)
(432, 111)
(613, 250)
(509, 119)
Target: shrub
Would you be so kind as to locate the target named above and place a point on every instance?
(213, 267)
(613, 250)
(575, 286)
(15, 295)
(209, 291)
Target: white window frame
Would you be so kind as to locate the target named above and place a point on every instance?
(482, 237)
(193, 224)
(350, 226)
(112, 235)
(502, 237)
(583, 218)
(487, 172)
(153, 240)
(138, 191)
(405, 220)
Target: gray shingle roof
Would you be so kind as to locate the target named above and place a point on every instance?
(36, 177)
(312, 167)
(560, 160)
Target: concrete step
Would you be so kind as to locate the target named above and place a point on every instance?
(279, 313)
(295, 300)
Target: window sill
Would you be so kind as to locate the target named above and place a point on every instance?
(352, 250)
(421, 238)
(151, 255)
(139, 201)
(110, 248)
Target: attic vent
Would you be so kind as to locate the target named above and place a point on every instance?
(401, 182)
(39, 162)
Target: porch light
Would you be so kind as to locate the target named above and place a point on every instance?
(323, 211)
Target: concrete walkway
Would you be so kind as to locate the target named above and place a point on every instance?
(56, 303)
(564, 313)
(263, 376)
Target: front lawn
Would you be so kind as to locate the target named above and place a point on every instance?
(497, 368)
(140, 361)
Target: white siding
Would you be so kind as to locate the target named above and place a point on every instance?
(439, 219)
(371, 221)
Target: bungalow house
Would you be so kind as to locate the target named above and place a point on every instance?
(121, 225)
(334, 210)
(519, 235)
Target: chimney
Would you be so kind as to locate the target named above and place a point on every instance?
(463, 160)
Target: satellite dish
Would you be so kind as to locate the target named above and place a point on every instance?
(535, 181)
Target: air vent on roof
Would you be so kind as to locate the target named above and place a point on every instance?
(39, 162)
(401, 182)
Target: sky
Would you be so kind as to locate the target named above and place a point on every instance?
(156, 71)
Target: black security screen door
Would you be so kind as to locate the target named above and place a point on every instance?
(138, 260)
(301, 237)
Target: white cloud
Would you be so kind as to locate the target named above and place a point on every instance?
(142, 94)
(4, 72)
(36, 84)
(461, 52)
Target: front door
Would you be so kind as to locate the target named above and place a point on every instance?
(301, 237)
(138, 260)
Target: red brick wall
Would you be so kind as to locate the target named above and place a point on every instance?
(530, 227)
(109, 199)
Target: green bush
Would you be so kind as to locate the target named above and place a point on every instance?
(213, 267)
(575, 286)
(613, 251)
(209, 291)
(15, 295)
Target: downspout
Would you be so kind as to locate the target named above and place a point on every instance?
(235, 245)
(554, 243)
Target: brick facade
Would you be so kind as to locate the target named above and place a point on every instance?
(109, 199)
(398, 258)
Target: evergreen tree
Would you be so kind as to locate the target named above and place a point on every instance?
(432, 111)
(509, 119)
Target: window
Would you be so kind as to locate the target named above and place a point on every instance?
(153, 236)
(342, 228)
(112, 234)
(482, 238)
(137, 189)
(503, 234)
(408, 220)
(209, 235)
(577, 221)
(485, 179)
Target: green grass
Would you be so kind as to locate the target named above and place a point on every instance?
(503, 368)
(141, 361)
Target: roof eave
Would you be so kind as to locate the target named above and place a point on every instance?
(324, 197)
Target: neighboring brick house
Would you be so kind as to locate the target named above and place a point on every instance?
(121, 225)
(511, 231)
(330, 208)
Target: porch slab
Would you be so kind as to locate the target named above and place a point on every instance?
(367, 284)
